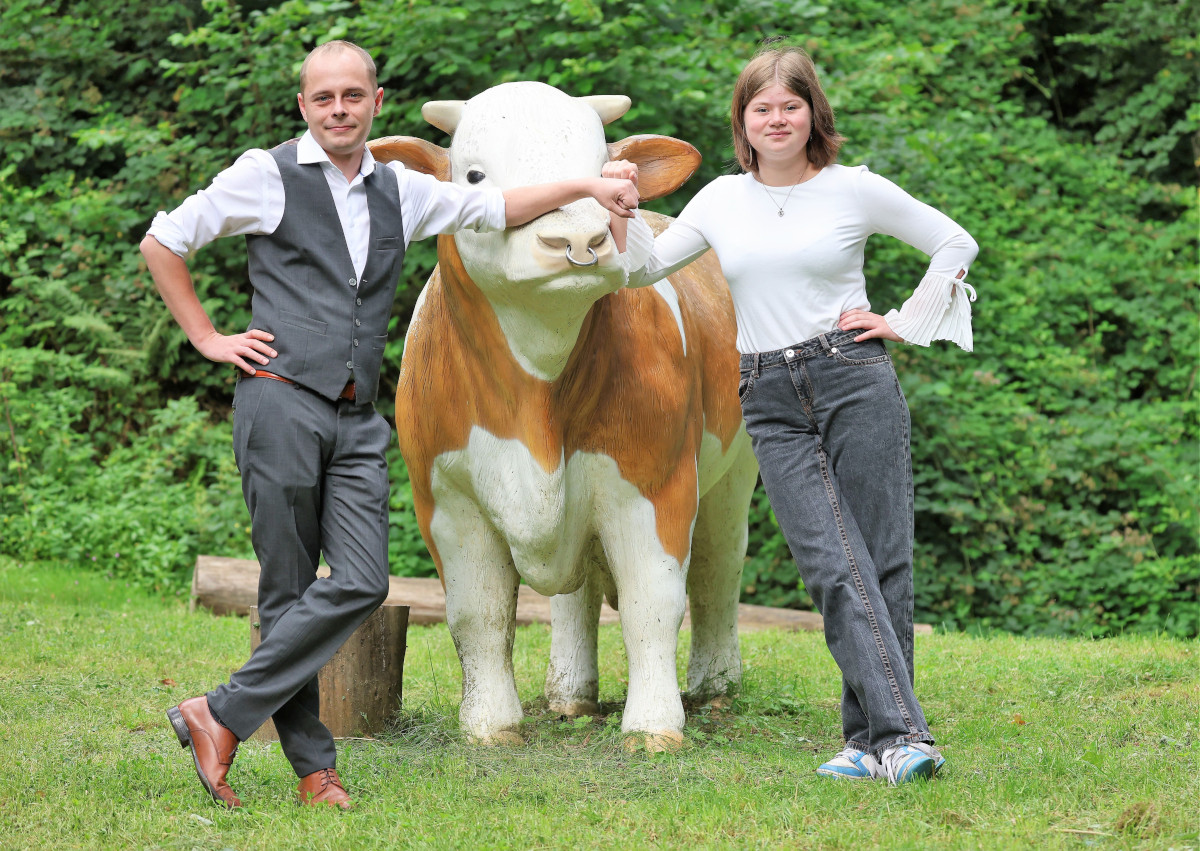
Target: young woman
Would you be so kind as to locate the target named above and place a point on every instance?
(828, 420)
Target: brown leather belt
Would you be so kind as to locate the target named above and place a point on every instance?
(347, 391)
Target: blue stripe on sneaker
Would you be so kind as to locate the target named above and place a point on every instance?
(849, 764)
(915, 765)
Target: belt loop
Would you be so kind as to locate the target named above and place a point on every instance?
(757, 364)
(824, 338)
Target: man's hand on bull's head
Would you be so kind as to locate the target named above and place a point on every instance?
(618, 195)
(620, 170)
(523, 204)
(618, 227)
(623, 169)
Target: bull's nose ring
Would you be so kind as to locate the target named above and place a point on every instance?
(575, 262)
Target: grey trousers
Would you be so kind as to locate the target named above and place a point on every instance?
(314, 475)
(830, 428)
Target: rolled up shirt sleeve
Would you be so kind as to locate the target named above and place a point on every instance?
(430, 206)
(245, 198)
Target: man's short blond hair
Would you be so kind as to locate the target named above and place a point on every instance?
(338, 47)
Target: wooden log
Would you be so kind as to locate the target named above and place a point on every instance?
(225, 585)
(230, 585)
(362, 685)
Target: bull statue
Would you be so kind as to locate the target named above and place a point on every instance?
(564, 430)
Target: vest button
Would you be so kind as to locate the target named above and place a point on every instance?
(357, 322)
(349, 364)
(351, 282)
(356, 343)
(358, 301)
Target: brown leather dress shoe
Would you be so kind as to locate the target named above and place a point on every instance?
(323, 787)
(213, 746)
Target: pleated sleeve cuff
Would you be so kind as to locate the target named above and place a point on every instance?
(939, 309)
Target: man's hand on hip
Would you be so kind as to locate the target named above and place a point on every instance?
(245, 351)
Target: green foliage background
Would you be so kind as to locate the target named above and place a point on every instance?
(1056, 467)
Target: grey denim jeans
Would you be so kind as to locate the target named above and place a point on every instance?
(830, 428)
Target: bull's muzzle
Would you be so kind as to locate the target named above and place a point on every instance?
(571, 242)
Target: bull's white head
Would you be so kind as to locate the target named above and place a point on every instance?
(518, 134)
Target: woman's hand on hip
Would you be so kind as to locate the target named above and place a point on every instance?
(873, 324)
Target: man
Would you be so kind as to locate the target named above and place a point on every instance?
(326, 228)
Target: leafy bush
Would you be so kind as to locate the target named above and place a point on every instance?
(142, 512)
(1123, 74)
(1055, 467)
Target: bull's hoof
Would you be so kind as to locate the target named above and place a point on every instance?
(502, 739)
(575, 708)
(664, 742)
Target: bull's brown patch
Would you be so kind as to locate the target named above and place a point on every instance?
(628, 391)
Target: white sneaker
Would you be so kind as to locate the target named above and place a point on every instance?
(905, 763)
(851, 764)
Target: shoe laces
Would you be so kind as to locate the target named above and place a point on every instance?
(927, 749)
(329, 777)
(856, 757)
(894, 757)
(889, 762)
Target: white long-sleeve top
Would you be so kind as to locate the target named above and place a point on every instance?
(248, 198)
(792, 276)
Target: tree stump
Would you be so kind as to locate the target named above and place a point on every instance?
(362, 685)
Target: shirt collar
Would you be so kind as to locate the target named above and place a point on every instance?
(309, 151)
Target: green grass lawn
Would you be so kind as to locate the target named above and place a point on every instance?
(1050, 744)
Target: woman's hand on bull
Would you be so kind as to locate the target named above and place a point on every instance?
(246, 351)
(617, 195)
(874, 325)
(623, 169)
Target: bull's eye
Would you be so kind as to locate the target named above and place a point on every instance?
(475, 176)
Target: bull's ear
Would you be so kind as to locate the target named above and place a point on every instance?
(444, 114)
(664, 163)
(608, 107)
(416, 154)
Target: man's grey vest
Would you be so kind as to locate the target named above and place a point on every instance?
(329, 327)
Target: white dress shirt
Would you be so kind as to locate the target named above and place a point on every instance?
(248, 198)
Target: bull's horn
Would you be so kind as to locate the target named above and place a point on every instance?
(444, 114)
(608, 107)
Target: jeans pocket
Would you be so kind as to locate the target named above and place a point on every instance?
(745, 385)
(861, 354)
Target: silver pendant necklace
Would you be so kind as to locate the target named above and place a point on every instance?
(787, 197)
